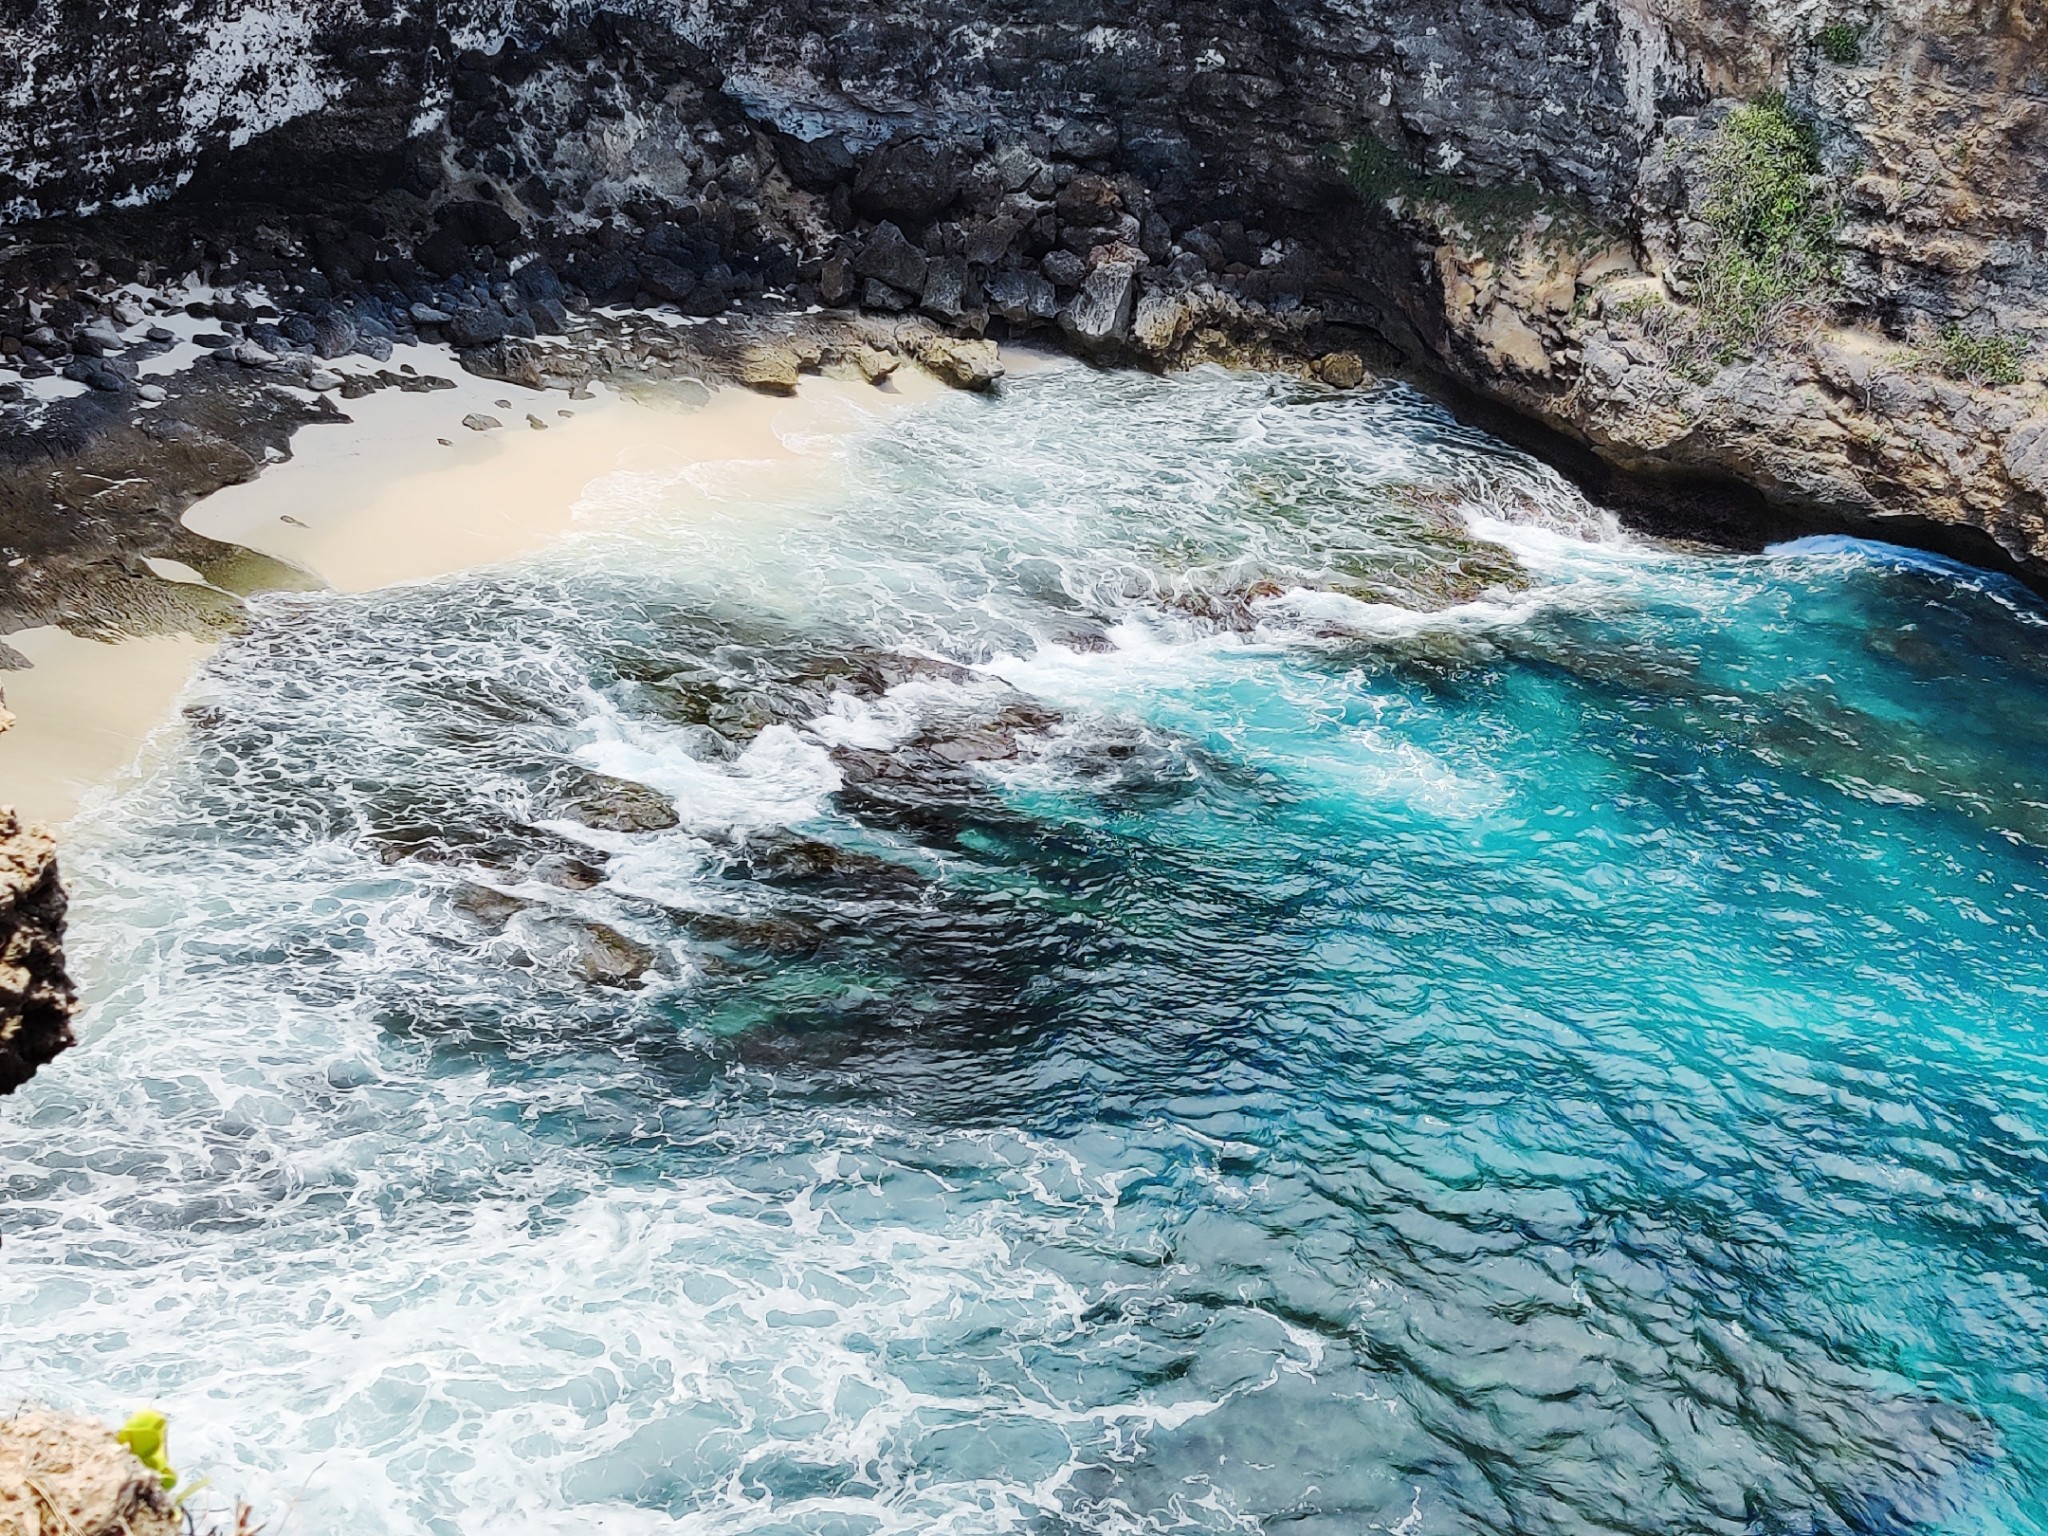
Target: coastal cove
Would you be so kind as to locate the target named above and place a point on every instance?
(1126, 953)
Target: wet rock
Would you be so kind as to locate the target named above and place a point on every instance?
(963, 364)
(615, 805)
(488, 907)
(1341, 370)
(602, 955)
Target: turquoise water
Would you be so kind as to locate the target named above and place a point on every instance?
(1234, 958)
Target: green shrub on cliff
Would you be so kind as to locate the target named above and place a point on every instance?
(1771, 221)
(1840, 43)
(1996, 360)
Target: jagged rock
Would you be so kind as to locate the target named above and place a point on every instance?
(837, 283)
(876, 294)
(1064, 269)
(875, 365)
(911, 178)
(37, 1000)
(617, 805)
(888, 257)
(1091, 201)
(1022, 298)
(962, 364)
(61, 1473)
(1160, 322)
(426, 314)
(946, 290)
(602, 955)
(475, 327)
(1101, 312)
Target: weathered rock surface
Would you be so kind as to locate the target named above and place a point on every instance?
(63, 1473)
(1148, 181)
(37, 1000)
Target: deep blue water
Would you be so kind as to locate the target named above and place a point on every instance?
(1374, 1001)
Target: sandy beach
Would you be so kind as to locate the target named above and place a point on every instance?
(402, 492)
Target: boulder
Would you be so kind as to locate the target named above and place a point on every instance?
(1341, 370)
(910, 178)
(947, 290)
(1101, 312)
(476, 326)
(617, 805)
(1160, 322)
(1022, 298)
(875, 365)
(768, 368)
(876, 294)
(887, 256)
(962, 363)
(837, 284)
(1064, 269)
(1090, 201)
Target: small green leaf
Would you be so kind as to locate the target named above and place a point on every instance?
(148, 1436)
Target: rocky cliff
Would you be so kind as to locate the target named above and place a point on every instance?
(36, 996)
(1759, 266)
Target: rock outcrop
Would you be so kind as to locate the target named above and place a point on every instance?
(63, 1473)
(37, 1000)
(1526, 200)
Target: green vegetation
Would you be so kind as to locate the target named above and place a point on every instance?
(148, 1436)
(1496, 217)
(1995, 359)
(1771, 223)
(1840, 43)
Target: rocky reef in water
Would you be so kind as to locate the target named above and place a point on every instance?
(1743, 270)
(1751, 268)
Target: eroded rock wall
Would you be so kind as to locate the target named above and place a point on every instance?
(1154, 176)
(37, 1000)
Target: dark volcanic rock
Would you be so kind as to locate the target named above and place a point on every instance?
(888, 257)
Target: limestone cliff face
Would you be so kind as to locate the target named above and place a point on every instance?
(37, 1000)
(1532, 221)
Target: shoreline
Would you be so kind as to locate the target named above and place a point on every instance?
(400, 491)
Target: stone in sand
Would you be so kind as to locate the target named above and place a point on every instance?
(962, 364)
(476, 421)
(876, 365)
(770, 369)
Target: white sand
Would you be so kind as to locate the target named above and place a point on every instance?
(378, 501)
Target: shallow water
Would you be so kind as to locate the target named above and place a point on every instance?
(1376, 1002)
